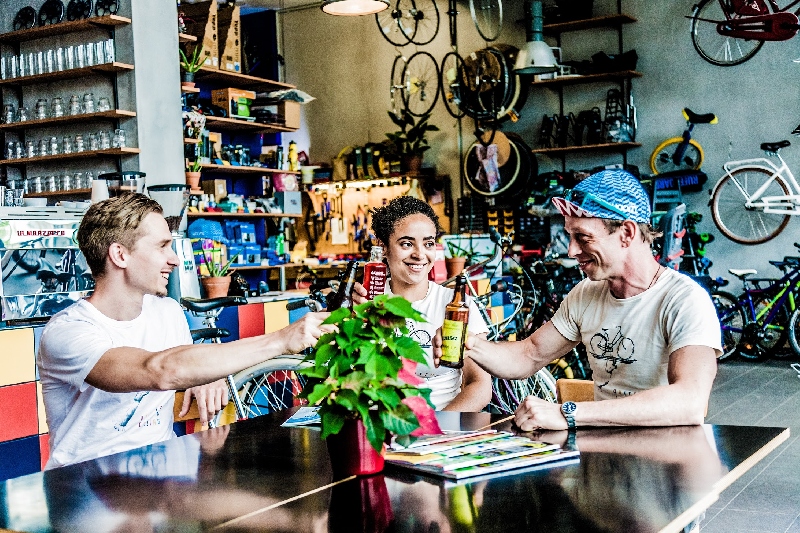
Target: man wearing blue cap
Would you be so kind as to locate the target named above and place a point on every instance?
(651, 334)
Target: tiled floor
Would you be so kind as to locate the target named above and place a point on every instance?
(767, 498)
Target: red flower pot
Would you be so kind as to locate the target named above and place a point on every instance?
(351, 453)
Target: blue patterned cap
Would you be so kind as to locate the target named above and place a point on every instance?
(610, 194)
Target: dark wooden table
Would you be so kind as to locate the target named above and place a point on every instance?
(257, 476)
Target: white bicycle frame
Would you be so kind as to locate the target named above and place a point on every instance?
(780, 205)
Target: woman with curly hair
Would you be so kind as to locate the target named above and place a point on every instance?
(407, 229)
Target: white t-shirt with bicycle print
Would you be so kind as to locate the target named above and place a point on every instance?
(628, 341)
(86, 422)
(445, 383)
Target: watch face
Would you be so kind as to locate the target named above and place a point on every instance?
(568, 408)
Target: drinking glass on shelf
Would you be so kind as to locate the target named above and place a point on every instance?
(30, 149)
(50, 184)
(100, 53)
(3, 68)
(44, 146)
(23, 115)
(65, 182)
(93, 143)
(119, 139)
(79, 146)
(86, 182)
(89, 51)
(10, 152)
(80, 56)
(50, 60)
(13, 183)
(35, 185)
(18, 150)
(110, 53)
(25, 186)
(13, 67)
(14, 197)
(66, 145)
(22, 67)
(75, 105)
(57, 106)
(40, 109)
(53, 146)
(69, 57)
(88, 103)
(30, 63)
(59, 59)
(78, 181)
(105, 140)
(103, 104)
(40, 68)
(8, 113)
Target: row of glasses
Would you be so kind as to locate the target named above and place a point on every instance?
(42, 111)
(102, 140)
(52, 183)
(57, 59)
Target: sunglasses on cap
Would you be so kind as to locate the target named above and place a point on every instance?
(581, 198)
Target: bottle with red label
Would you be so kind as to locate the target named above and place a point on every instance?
(375, 273)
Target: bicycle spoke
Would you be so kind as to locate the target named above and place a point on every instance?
(717, 49)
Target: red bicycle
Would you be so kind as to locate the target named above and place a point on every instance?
(729, 32)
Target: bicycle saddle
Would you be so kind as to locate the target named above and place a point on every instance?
(199, 305)
(742, 273)
(694, 118)
(774, 147)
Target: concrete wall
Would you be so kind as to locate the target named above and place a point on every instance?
(346, 64)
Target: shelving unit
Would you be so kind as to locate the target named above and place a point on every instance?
(47, 77)
(189, 140)
(111, 152)
(56, 194)
(240, 215)
(63, 28)
(241, 81)
(234, 124)
(623, 78)
(230, 169)
(186, 38)
(189, 90)
(114, 114)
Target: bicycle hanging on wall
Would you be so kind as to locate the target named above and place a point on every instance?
(730, 32)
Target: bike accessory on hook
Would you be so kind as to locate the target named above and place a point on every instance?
(25, 19)
(51, 12)
(79, 9)
(106, 7)
(609, 194)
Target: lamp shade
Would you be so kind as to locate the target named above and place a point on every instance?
(354, 8)
(535, 58)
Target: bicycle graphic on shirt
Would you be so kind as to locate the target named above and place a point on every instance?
(619, 350)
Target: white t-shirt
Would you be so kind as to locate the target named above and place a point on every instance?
(445, 383)
(85, 422)
(629, 341)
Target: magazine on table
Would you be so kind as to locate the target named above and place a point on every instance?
(303, 417)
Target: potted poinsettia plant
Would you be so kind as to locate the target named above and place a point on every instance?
(363, 381)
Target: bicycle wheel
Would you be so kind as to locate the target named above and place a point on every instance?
(794, 331)
(270, 386)
(773, 336)
(739, 223)
(488, 17)
(396, 105)
(731, 322)
(397, 25)
(426, 16)
(451, 83)
(717, 49)
(507, 394)
(661, 159)
(420, 83)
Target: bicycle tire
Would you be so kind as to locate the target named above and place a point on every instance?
(507, 394)
(731, 321)
(260, 394)
(394, 26)
(396, 86)
(794, 331)
(742, 225)
(426, 16)
(420, 71)
(487, 17)
(775, 333)
(661, 158)
(717, 49)
(451, 83)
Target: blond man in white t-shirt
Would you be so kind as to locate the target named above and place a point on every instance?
(651, 334)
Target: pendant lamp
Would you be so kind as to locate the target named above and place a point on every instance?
(354, 8)
(536, 57)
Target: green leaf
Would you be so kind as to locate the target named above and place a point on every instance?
(321, 391)
(376, 432)
(332, 423)
(380, 367)
(324, 354)
(337, 316)
(410, 349)
(400, 421)
(347, 399)
(401, 307)
(366, 351)
(388, 396)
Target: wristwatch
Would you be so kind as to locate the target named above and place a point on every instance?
(568, 410)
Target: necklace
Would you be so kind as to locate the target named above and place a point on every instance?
(658, 271)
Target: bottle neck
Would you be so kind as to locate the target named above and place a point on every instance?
(460, 294)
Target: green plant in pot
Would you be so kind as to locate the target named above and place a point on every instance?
(190, 65)
(218, 280)
(460, 255)
(411, 141)
(364, 384)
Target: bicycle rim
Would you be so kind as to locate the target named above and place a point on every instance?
(395, 24)
(794, 331)
(487, 15)
(420, 83)
(720, 50)
(426, 15)
(747, 225)
(450, 81)
(396, 105)
(662, 161)
(731, 321)
(270, 386)
(775, 333)
(507, 394)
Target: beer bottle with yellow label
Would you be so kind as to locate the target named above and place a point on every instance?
(454, 329)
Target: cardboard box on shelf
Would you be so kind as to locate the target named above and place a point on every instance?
(290, 113)
(230, 57)
(219, 188)
(225, 98)
(290, 202)
(201, 21)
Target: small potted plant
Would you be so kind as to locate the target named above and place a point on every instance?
(215, 277)
(193, 174)
(364, 384)
(458, 257)
(190, 65)
(410, 142)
